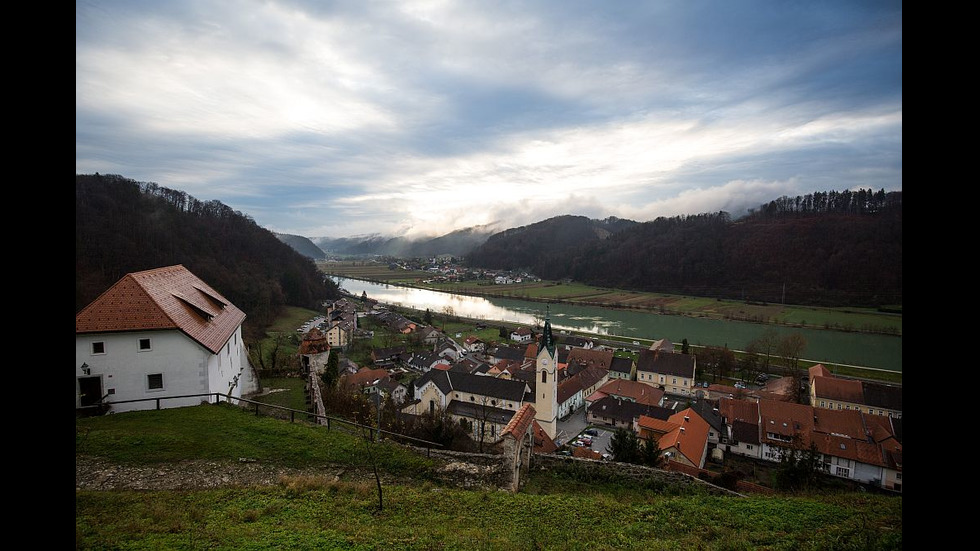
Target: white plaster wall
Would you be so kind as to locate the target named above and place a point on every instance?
(124, 368)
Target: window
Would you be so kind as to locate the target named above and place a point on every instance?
(898, 476)
(748, 446)
(843, 471)
(661, 378)
(154, 381)
(823, 404)
(144, 344)
(544, 376)
(674, 381)
(98, 347)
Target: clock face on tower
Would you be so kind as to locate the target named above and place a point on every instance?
(544, 363)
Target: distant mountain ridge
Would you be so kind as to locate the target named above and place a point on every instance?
(302, 245)
(457, 243)
(826, 249)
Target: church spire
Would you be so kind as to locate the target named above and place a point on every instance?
(548, 338)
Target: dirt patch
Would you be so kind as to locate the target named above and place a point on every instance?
(92, 473)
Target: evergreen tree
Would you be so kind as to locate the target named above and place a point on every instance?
(625, 446)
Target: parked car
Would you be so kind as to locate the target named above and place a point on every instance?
(592, 432)
(739, 384)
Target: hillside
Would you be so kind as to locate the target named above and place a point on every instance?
(324, 498)
(787, 252)
(302, 245)
(123, 226)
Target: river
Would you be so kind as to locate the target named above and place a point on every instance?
(832, 347)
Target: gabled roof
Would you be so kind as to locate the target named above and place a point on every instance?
(163, 298)
(542, 442)
(590, 357)
(786, 420)
(504, 389)
(744, 431)
(819, 371)
(621, 365)
(364, 377)
(667, 363)
(708, 410)
(843, 390)
(626, 411)
(846, 422)
(690, 437)
(585, 453)
(739, 410)
(633, 390)
(520, 422)
(508, 353)
(568, 388)
(882, 396)
(480, 412)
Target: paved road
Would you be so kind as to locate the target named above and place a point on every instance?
(575, 424)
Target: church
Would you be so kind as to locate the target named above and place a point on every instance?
(484, 404)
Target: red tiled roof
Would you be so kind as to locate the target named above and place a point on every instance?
(654, 424)
(531, 352)
(692, 440)
(542, 442)
(568, 388)
(163, 298)
(590, 357)
(634, 390)
(739, 410)
(847, 422)
(843, 390)
(786, 419)
(314, 342)
(520, 422)
(582, 451)
(819, 371)
(363, 377)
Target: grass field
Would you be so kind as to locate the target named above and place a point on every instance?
(553, 512)
(846, 319)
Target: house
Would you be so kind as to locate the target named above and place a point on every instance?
(387, 355)
(850, 444)
(590, 358)
(447, 348)
(430, 335)
(424, 361)
(741, 432)
(828, 391)
(574, 388)
(671, 371)
(622, 368)
(682, 437)
(632, 391)
(572, 341)
(622, 413)
(708, 410)
(474, 344)
(159, 333)
(522, 334)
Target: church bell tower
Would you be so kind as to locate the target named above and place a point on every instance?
(546, 382)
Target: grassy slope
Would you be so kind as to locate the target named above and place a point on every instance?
(341, 515)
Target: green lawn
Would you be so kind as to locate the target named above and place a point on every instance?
(553, 512)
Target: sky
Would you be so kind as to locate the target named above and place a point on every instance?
(415, 118)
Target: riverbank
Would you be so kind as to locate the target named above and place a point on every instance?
(848, 320)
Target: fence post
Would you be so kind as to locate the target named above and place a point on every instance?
(256, 410)
(292, 416)
(158, 403)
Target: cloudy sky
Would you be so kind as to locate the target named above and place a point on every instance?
(339, 118)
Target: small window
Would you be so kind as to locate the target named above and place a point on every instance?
(98, 347)
(748, 446)
(154, 381)
(544, 376)
(144, 344)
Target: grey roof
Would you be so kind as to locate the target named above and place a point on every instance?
(668, 363)
(708, 410)
(479, 412)
(621, 365)
(508, 353)
(572, 340)
(882, 396)
(627, 411)
(482, 385)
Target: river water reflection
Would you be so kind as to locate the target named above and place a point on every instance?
(877, 351)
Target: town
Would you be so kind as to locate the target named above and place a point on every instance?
(562, 394)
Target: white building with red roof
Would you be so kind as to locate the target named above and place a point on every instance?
(158, 334)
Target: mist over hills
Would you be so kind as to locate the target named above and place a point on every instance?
(457, 243)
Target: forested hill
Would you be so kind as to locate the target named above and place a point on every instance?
(124, 226)
(828, 249)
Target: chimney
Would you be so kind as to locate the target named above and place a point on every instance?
(687, 418)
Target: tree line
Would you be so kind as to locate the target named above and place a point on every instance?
(822, 249)
(123, 226)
